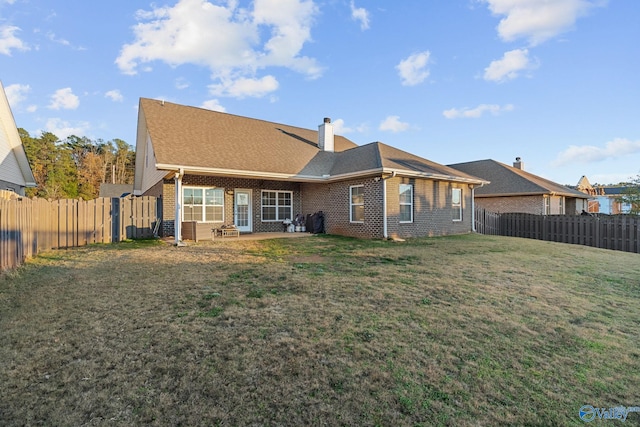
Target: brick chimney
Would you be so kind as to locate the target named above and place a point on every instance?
(518, 164)
(325, 136)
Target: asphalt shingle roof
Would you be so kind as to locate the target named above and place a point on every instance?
(201, 139)
(509, 181)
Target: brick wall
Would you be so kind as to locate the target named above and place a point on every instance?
(432, 205)
(333, 200)
(531, 204)
(256, 185)
(432, 212)
(432, 209)
(524, 204)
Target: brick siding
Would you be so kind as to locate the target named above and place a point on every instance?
(432, 210)
(256, 185)
(531, 204)
(333, 200)
(523, 204)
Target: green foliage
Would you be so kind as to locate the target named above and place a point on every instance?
(631, 196)
(75, 167)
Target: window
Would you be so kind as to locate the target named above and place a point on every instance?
(561, 212)
(547, 205)
(456, 204)
(277, 205)
(356, 202)
(203, 204)
(406, 203)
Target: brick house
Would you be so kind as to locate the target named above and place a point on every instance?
(512, 189)
(15, 172)
(213, 169)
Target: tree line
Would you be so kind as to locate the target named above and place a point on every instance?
(75, 167)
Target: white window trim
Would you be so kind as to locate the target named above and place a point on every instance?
(406, 204)
(547, 205)
(351, 204)
(276, 205)
(459, 206)
(204, 214)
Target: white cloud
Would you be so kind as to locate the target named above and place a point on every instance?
(617, 148)
(510, 66)
(474, 113)
(114, 95)
(182, 83)
(393, 124)
(214, 105)
(243, 87)
(413, 70)
(233, 42)
(339, 127)
(360, 14)
(63, 129)
(537, 20)
(16, 93)
(64, 99)
(8, 40)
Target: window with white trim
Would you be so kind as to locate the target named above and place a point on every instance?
(456, 204)
(356, 203)
(202, 204)
(561, 211)
(547, 205)
(406, 202)
(277, 205)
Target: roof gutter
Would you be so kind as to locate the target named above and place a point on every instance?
(315, 178)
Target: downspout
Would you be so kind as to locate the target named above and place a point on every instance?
(385, 233)
(177, 222)
(473, 207)
(385, 227)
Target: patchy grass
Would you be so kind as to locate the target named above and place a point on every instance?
(463, 330)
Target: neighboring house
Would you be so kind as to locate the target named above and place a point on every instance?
(514, 190)
(608, 200)
(604, 198)
(213, 169)
(15, 172)
(584, 186)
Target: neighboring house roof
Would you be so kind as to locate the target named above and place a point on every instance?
(115, 190)
(510, 181)
(614, 191)
(14, 165)
(200, 141)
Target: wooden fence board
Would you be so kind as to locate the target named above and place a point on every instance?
(617, 232)
(29, 226)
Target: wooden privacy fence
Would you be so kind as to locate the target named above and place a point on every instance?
(616, 232)
(29, 226)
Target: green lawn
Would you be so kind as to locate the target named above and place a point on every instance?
(462, 330)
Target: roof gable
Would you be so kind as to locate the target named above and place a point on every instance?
(190, 136)
(14, 165)
(202, 141)
(509, 181)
